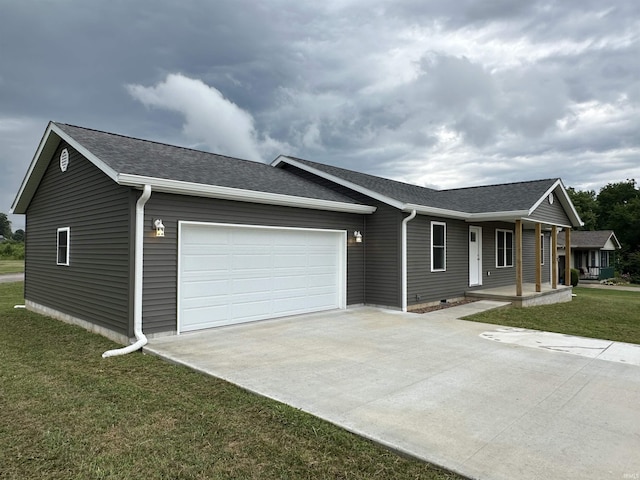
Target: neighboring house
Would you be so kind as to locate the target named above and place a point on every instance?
(126, 234)
(593, 255)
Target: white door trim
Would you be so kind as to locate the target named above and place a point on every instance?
(473, 282)
(342, 259)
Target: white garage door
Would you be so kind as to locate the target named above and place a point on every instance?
(233, 274)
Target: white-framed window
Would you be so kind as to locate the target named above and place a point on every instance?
(64, 235)
(504, 248)
(438, 246)
(542, 249)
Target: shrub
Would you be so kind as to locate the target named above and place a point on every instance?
(12, 251)
(575, 277)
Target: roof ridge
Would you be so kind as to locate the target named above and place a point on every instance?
(364, 174)
(156, 142)
(500, 184)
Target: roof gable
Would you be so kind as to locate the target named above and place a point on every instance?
(135, 162)
(503, 201)
(594, 239)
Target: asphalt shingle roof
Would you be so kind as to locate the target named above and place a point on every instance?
(488, 198)
(586, 238)
(127, 155)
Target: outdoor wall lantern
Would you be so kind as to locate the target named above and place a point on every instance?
(358, 236)
(158, 227)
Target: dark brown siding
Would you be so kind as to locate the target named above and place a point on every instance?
(161, 254)
(95, 286)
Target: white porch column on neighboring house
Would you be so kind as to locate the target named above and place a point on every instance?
(518, 247)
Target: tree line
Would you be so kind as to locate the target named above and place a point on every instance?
(11, 243)
(615, 207)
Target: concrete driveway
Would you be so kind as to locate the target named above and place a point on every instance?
(11, 277)
(434, 387)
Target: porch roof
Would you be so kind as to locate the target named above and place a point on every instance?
(592, 239)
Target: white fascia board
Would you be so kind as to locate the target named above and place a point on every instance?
(50, 141)
(238, 194)
(45, 141)
(108, 171)
(544, 196)
(509, 216)
(612, 243)
(438, 212)
(544, 222)
(340, 181)
(564, 199)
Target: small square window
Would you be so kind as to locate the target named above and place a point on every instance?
(64, 235)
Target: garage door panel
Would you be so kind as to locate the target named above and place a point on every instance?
(241, 261)
(205, 289)
(201, 317)
(249, 286)
(301, 304)
(232, 274)
(250, 311)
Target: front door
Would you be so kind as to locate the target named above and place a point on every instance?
(475, 256)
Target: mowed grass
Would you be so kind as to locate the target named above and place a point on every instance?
(11, 266)
(66, 413)
(597, 313)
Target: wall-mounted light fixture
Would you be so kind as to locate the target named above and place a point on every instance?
(358, 236)
(158, 227)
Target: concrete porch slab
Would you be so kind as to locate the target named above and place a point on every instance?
(529, 297)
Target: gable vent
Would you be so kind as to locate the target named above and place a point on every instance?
(64, 160)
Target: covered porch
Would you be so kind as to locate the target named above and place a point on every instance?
(529, 297)
(527, 294)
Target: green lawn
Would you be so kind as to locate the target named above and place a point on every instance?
(66, 413)
(11, 266)
(597, 313)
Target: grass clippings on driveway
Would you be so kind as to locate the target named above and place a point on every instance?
(66, 413)
(593, 312)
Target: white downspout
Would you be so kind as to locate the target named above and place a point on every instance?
(404, 258)
(137, 289)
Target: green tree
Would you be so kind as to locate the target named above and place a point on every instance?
(612, 195)
(18, 235)
(5, 226)
(586, 205)
(619, 210)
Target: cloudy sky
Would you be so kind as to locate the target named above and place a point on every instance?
(439, 93)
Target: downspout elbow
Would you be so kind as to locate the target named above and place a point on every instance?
(141, 339)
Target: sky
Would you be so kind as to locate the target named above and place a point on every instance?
(442, 94)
